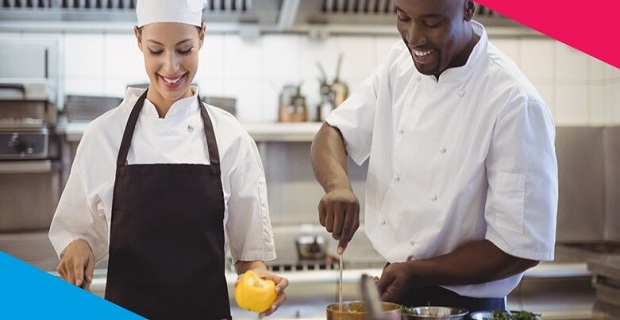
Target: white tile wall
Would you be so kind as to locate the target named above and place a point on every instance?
(570, 100)
(612, 92)
(537, 56)
(571, 64)
(509, 47)
(578, 89)
(85, 56)
(122, 57)
(596, 70)
(211, 68)
(612, 74)
(599, 113)
(547, 91)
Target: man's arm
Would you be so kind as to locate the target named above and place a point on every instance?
(339, 208)
(474, 263)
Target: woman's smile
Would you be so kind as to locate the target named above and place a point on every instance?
(172, 82)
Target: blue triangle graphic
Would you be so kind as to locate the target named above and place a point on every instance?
(30, 293)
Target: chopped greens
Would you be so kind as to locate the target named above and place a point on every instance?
(410, 311)
(519, 315)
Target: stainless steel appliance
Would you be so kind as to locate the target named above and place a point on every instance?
(606, 280)
(30, 170)
(26, 119)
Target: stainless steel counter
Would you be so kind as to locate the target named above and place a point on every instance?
(557, 290)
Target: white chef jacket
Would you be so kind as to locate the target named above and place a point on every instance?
(467, 157)
(85, 206)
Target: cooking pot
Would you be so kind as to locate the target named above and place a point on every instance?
(434, 313)
(355, 310)
(311, 247)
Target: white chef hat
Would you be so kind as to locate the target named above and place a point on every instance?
(181, 11)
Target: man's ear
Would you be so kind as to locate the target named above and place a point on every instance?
(470, 10)
(138, 35)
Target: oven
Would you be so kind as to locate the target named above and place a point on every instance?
(30, 171)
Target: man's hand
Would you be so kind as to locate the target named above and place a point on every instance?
(77, 264)
(339, 213)
(396, 279)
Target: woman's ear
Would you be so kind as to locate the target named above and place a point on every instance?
(470, 9)
(201, 34)
(138, 34)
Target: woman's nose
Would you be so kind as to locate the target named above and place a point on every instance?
(171, 63)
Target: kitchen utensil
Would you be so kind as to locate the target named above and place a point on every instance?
(337, 78)
(434, 313)
(340, 91)
(292, 105)
(311, 247)
(333, 92)
(340, 269)
(372, 301)
(356, 310)
(323, 74)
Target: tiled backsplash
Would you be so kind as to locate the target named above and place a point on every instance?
(579, 89)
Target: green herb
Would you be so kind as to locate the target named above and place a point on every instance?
(520, 315)
(410, 311)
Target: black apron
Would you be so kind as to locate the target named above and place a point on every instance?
(167, 236)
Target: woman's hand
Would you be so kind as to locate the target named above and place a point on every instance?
(281, 284)
(77, 264)
(261, 270)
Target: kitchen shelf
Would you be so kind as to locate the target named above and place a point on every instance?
(260, 132)
(283, 132)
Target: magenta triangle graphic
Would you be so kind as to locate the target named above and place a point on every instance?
(592, 27)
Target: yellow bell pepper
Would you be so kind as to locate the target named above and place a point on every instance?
(255, 293)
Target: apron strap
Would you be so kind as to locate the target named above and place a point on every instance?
(129, 129)
(214, 155)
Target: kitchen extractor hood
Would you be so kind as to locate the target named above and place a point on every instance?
(249, 17)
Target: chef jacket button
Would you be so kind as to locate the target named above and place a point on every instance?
(443, 150)
(461, 93)
(401, 131)
(411, 258)
(397, 177)
(190, 128)
(434, 197)
(412, 242)
(382, 222)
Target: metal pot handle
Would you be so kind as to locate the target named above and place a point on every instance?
(372, 301)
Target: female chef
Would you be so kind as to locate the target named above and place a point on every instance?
(163, 184)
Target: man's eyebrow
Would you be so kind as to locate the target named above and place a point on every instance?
(429, 15)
